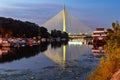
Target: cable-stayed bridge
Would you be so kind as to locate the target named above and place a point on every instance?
(66, 22)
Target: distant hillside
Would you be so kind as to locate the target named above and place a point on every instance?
(16, 28)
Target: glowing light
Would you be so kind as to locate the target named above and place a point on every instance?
(64, 56)
(64, 53)
(75, 43)
(69, 33)
(64, 20)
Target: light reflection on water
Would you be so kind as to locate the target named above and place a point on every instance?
(69, 62)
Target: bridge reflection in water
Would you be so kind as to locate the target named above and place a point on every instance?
(54, 52)
(74, 61)
(57, 52)
(67, 53)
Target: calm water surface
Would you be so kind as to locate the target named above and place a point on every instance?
(47, 62)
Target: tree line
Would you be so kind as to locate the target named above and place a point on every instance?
(15, 28)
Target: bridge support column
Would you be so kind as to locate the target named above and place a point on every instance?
(64, 20)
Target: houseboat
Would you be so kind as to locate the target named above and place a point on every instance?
(4, 42)
(99, 36)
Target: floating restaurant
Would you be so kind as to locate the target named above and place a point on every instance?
(99, 36)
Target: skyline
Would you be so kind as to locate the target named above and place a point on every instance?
(93, 13)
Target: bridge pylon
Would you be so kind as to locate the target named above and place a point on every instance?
(64, 20)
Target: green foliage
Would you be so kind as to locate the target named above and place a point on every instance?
(16, 28)
(112, 48)
(43, 32)
(57, 33)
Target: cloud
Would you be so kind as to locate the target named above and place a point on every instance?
(38, 13)
(92, 14)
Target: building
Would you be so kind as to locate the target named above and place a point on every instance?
(99, 36)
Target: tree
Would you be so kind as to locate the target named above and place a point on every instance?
(55, 33)
(64, 35)
(16, 28)
(43, 32)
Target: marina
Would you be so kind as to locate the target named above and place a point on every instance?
(71, 61)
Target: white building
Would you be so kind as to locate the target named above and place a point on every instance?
(98, 35)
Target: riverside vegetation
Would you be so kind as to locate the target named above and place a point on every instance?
(18, 29)
(110, 65)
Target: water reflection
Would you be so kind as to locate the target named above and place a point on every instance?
(64, 56)
(10, 54)
(4, 50)
(57, 44)
(98, 51)
(55, 61)
(59, 52)
(66, 53)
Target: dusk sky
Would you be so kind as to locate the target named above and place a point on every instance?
(94, 13)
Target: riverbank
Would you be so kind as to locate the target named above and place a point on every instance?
(107, 70)
(109, 67)
(116, 76)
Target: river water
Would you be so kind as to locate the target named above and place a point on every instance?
(55, 61)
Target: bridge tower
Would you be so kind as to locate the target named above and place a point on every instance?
(64, 20)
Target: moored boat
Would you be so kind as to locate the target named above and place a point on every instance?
(5, 43)
(99, 36)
